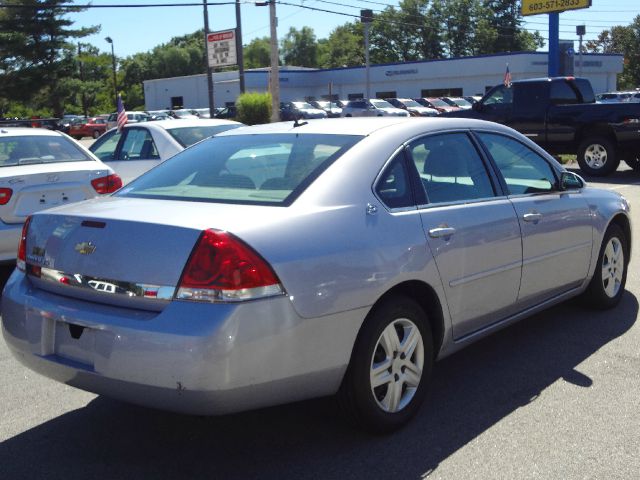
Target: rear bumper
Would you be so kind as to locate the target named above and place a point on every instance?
(190, 358)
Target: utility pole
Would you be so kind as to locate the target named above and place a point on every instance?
(366, 17)
(239, 46)
(580, 31)
(275, 70)
(115, 81)
(206, 59)
(83, 95)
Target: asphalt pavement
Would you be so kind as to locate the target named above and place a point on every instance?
(555, 396)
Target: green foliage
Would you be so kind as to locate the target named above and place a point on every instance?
(254, 108)
(35, 53)
(300, 48)
(625, 40)
(343, 48)
(258, 53)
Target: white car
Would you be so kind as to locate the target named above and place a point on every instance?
(141, 146)
(372, 108)
(39, 169)
(132, 117)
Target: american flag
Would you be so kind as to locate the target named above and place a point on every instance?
(122, 116)
(507, 77)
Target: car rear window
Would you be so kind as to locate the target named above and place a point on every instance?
(187, 136)
(32, 149)
(268, 169)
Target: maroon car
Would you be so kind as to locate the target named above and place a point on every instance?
(94, 127)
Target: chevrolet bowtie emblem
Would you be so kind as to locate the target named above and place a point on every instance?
(85, 248)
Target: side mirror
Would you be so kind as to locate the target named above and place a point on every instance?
(571, 181)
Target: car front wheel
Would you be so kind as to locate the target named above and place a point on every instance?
(597, 157)
(390, 367)
(607, 285)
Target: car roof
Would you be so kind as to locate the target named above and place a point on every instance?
(24, 131)
(189, 122)
(364, 126)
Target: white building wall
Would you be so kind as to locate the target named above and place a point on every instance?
(473, 75)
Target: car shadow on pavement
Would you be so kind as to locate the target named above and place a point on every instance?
(619, 177)
(471, 391)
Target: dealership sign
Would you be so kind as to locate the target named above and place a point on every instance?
(221, 48)
(535, 7)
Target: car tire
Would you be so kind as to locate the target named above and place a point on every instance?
(610, 276)
(396, 334)
(95, 134)
(348, 115)
(597, 157)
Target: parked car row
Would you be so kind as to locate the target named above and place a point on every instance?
(275, 263)
(618, 97)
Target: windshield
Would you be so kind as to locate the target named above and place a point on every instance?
(381, 104)
(438, 103)
(268, 169)
(31, 149)
(461, 102)
(410, 103)
(187, 136)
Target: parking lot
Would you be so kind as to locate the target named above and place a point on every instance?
(555, 396)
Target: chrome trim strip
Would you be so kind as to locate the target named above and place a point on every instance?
(487, 273)
(101, 285)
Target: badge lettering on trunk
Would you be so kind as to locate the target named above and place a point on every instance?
(85, 248)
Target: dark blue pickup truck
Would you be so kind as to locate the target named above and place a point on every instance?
(561, 115)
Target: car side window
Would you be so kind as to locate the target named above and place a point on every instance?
(450, 168)
(502, 95)
(105, 147)
(394, 187)
(138, 145)
(524, 171)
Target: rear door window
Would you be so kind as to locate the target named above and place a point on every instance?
(450, 168)
(138, 144)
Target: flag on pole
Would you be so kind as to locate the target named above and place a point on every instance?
(122, 116)
(507, 77)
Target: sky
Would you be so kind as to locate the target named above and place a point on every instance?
(136, 30)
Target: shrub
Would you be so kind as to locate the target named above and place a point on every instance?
(254, 107)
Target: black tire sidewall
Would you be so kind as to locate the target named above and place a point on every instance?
(369, 414)
(612, 160)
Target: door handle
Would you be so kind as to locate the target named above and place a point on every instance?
(532, 217)
(440, 232)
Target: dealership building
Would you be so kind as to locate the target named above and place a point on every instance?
(454, 77)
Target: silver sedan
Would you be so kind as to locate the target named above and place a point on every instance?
(281, 262)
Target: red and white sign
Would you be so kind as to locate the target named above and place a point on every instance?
(221, 48)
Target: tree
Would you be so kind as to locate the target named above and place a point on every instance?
(299, 47)
(258, 53)
(624, 40)
(343, 48)
(35, 53)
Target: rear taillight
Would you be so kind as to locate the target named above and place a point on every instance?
(5, 195)
(21, 261)
(222, 268)
(108, 184)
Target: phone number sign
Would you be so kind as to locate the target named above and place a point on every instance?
(536, 7)
(221, 48)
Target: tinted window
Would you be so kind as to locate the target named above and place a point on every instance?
(189, 135)
(450, 168)
(394, 188)
(138, 145)
(256, 169)
(585, 90)
(32, 149)
(524, 171)
(562, 93)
